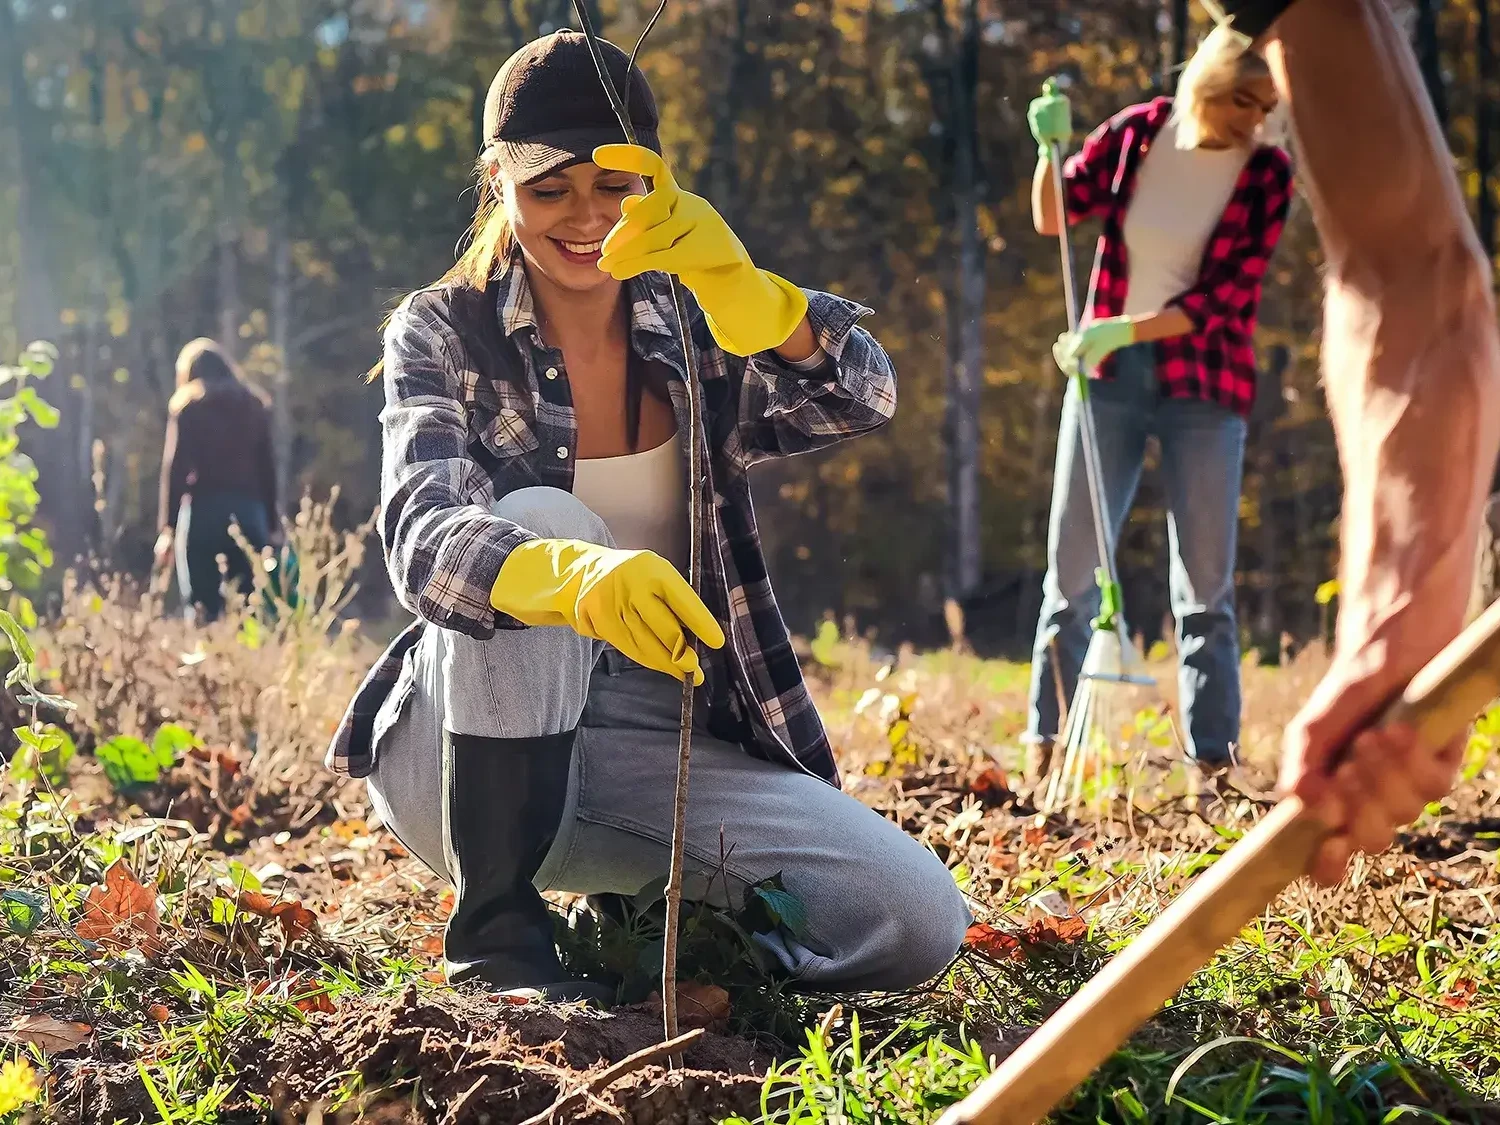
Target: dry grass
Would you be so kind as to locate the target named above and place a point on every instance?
(1403, 959)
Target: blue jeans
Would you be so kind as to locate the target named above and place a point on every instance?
(1202, 456)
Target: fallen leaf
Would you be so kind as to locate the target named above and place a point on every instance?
(1035, 836)
(432, 945)
(445, 902)
(347, 830)
(46, 1034)
(122, 913)
(394, 850)
(1002, 861)
(994, 943)
(296, 920)
(1461, 994)
(159, 1012)
(992, 782)
(698, 1005)
(310, 996)
(1056, 931)
(240, 815)
(228, 764)
(435, 976)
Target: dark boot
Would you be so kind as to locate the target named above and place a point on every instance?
(502, 801)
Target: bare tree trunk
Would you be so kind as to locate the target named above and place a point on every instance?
(720, 177)
(967, 370)
(229, 287)
(1179, 20)
(1429, 55)
(281, 334)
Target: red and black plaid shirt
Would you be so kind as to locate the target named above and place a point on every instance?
(1215, 361)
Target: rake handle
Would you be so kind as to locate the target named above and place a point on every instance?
(1440, 701)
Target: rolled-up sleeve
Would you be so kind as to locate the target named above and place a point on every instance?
(784, 411)
(444, 546)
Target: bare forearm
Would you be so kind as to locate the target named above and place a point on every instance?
(1046, 216)
(1410, 351)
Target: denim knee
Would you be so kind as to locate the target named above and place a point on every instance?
(551, 513)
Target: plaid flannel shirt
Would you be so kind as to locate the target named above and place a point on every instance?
(453, 441)
(1216, 360)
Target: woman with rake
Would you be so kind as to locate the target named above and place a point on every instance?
(522, 735)
(1193, 198)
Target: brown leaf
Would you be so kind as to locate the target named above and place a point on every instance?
(1461, 995)
(435, 976)
(309, 996)
(1035, 836)
(994, 943)
(1002, 861)
(122, 913)
(159, 1012)
(296, 920)
(698, 1005)
(46, 1034)
(240, 816)
(1048, 930)
(229, 765)
(432, 945)
(992, 782)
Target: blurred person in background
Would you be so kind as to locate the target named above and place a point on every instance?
(1193, 196)
(218, 469)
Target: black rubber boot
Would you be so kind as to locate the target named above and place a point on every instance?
(502, 801)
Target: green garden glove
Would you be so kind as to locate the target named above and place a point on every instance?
(1051, 118)
(1092, 344)
(633, 600)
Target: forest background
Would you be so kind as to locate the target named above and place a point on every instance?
(277, 173)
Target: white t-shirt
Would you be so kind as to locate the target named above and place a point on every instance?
(642, 499)
(1180, 195)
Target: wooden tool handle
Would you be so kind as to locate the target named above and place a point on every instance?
(1441, 701)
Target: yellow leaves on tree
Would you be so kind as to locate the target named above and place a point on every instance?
(121, 914)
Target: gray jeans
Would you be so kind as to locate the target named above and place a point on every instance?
(882, 911)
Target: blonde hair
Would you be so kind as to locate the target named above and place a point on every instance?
(1221, 65)
(489, 235)
(201, 365)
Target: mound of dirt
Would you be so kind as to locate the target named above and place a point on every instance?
(428, 1057)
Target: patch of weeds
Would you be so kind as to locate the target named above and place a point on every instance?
(619, 941)
(906, 1078)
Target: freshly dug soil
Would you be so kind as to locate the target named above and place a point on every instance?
(453, 1058)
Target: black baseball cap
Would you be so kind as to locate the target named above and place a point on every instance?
(547, 109)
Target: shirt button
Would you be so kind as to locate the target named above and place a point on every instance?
(552, 373)
(562, 452)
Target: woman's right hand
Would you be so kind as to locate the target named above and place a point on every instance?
(1051, 118)
(633, 600)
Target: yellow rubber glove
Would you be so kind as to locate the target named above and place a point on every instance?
(749, 310)
(633, 600)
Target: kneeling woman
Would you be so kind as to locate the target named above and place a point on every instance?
(522, 735)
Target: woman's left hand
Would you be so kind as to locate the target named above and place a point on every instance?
(749, 310)
(1092, 344)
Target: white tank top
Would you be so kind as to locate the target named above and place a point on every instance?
(642, 499)
(1180, 195)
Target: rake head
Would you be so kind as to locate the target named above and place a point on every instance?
(1110, 663)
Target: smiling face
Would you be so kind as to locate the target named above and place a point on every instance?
(1233, 119)
(560, 221)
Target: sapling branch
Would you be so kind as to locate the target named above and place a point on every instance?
(695, 551)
